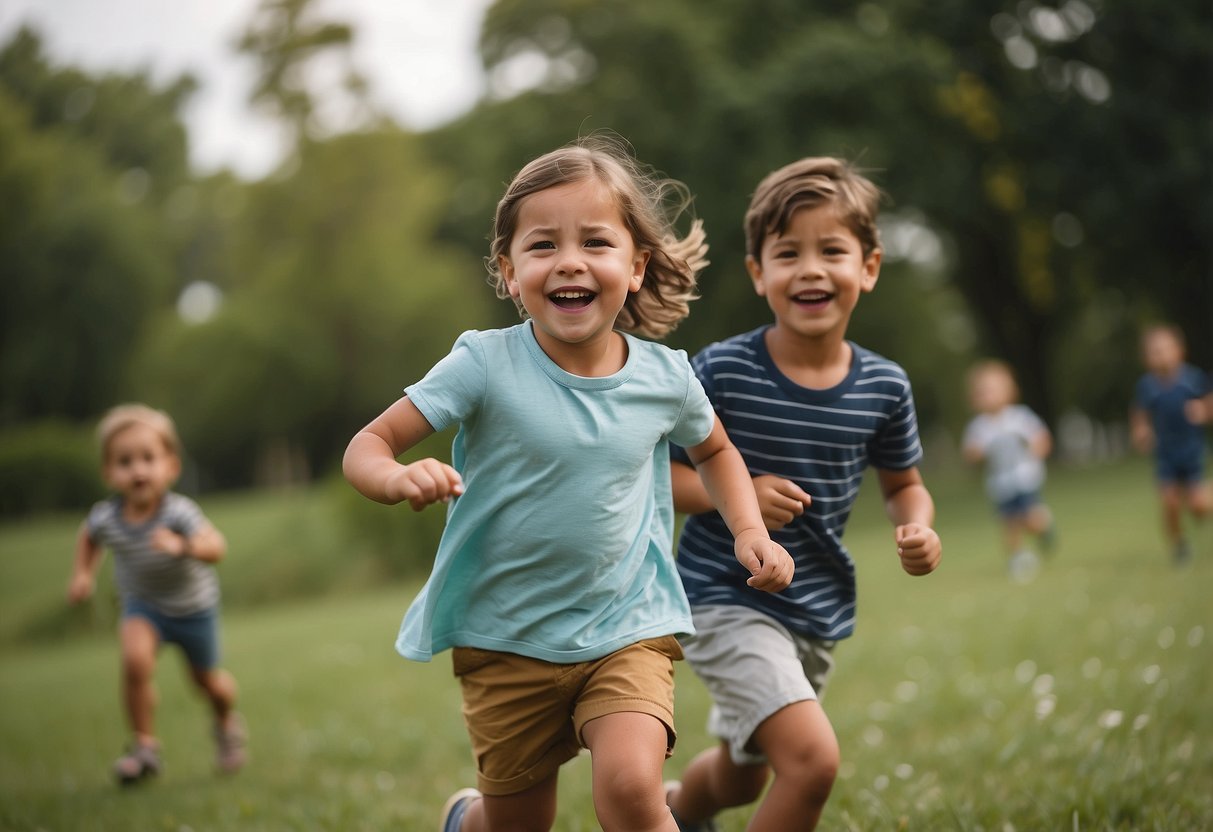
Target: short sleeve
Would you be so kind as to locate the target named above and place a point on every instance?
(184, 516)
(454, 388)
(896, 446)
(697, 418)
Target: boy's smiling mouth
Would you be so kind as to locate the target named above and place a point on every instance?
(812, 299)
(572, 298)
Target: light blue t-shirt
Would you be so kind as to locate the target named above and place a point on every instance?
(560, 546)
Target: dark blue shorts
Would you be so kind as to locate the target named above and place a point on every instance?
(1180, 470)
(197, 634)
(1018, 505)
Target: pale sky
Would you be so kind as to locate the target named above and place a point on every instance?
(418, 55)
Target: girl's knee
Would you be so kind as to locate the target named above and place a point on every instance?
(630, 800)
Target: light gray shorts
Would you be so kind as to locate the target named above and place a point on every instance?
(753, 667)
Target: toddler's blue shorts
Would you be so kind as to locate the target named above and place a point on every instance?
(1018, 505)
(196, 634)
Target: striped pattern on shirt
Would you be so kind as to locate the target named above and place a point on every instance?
(176, 586)
(821, 439)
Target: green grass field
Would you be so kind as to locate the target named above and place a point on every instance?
(1081, 701)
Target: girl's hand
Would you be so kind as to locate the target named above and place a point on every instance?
(79, 588)
(770, 565)
(424, 482)
(781, 501)
(918, 547)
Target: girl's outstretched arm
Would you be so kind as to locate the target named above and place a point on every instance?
(370, 461)
(727, 482)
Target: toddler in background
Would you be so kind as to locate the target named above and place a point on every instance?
(1012, 442)
(164, 555)
(1172, 405)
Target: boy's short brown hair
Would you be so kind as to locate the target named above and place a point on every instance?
(808, 183)
(121, 417)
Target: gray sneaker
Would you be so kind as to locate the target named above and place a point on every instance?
(708, 825)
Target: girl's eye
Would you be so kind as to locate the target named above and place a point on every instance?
(596, 243)
(541, 245)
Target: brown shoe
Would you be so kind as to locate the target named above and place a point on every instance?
(231, 742)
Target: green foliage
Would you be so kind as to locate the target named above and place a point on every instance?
(336, 299)
(83, 163)
(48, 466)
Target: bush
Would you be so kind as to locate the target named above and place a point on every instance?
(48, 466)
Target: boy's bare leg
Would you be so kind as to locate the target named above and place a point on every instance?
(803, 752)
(1172, 497)
(533, 810)
(713, 782)
(139, 642)
(800, 745)
(219, 687)
(628, 752)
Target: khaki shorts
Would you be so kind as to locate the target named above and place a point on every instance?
(525, 716)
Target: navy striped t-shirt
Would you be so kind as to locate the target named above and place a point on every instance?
(820, 439)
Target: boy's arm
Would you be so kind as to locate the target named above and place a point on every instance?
(1140, 430)
(910, 508)
(1041, 443)
(206, 543)
(370, 460)
(780, 500)
(84, 567)
(726, 481)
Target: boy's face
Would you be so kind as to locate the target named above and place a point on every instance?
(139, 466)
(991, 391)
(813, 273)
(1162, 352)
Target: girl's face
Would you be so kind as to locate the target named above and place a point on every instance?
(813, 274)
(572, 264)
(139, 466)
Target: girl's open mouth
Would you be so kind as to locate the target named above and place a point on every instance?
(572, 298)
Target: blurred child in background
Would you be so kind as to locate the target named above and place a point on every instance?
(1172, 405)
(1012, 443)
(164, 555)
(809, 411)
(554, 582)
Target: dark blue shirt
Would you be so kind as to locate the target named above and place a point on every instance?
(1175, 438)
(823, 440)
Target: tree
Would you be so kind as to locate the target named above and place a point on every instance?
(1023, 166)
(85, 164)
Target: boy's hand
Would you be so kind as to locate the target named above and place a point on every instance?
(79, 588)
(1197, 411)
(163, 539)
(770, 565)
(780, 500)
(918, 547)
(424, 482)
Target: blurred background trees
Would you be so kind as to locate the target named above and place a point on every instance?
(1048, 167)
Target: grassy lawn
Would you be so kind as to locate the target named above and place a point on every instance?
(1081, 701)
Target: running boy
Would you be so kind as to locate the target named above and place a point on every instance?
(553, 580)
(809, 411)
(1013, 443)
(164, 555)
(1171, 406)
